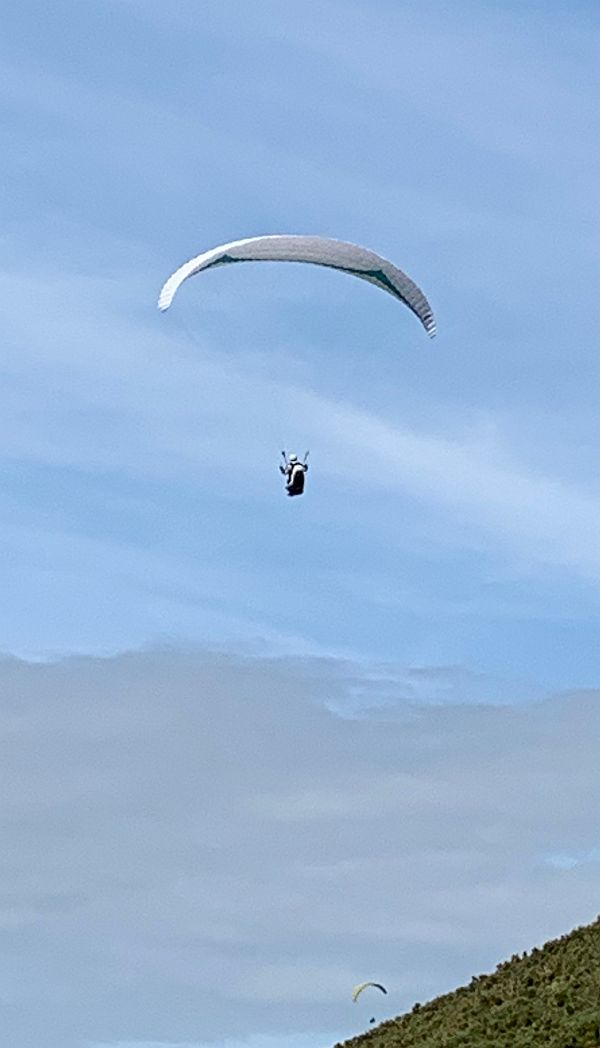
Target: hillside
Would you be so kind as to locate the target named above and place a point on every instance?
(549, 997)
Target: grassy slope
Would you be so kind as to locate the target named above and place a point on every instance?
(548, 998)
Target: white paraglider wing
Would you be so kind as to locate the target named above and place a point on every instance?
(321, 251)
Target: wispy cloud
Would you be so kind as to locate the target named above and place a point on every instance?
(281, 1040)
(159, 422)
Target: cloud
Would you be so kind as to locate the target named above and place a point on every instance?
(194, 839)
(563, 861)
(282, 1040)
(158, 423)
(546, 518)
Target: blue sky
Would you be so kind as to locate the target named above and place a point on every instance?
(447, 546)
(453, 502)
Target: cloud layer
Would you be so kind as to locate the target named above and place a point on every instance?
(196, 846)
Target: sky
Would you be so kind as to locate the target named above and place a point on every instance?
(258, 749)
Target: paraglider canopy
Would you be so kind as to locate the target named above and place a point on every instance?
(363, 986)
(321, 251)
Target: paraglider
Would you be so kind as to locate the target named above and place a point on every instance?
(349, 258)
(321, 251)
(294, 471)
(363, 986)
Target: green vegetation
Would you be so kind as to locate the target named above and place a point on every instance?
(549, 997)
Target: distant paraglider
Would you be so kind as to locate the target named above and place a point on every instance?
(363, 986)
(321, 251)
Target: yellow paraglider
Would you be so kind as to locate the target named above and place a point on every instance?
(363, 986)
